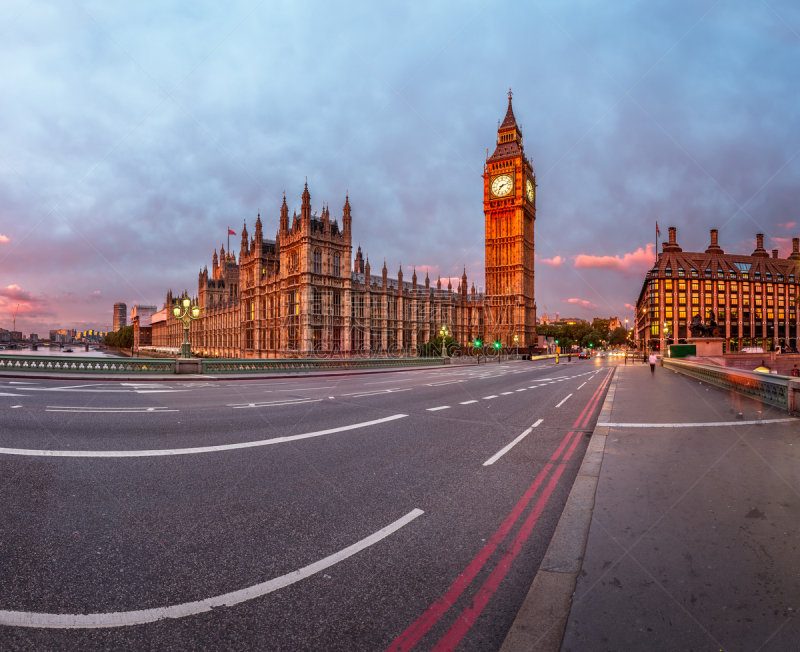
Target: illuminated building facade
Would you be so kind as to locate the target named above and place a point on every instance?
(753, 298)
(299, 294)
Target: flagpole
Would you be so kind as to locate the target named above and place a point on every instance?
(229, 240)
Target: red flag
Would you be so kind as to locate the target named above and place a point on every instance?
(234, 232)
(658, 232)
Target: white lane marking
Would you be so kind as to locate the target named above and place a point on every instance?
(193, 451)
(6, 394)
(442, 407)
(505, 393)
(105, 410)
(449, 382)
(564, 401)
(523, 389)
(581, 385)
(486, 398)
(468, 402)
(21, 382)
(713, 424)
(388, 391)
(508, 447)
(15, 406)
(303, 389)
(123, 618)
(240, 406)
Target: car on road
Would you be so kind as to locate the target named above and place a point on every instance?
(584, 354)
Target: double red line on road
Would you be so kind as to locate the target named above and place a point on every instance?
(409, 638)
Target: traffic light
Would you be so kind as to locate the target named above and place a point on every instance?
(556, 341)
(497, 345)
(477, 344)
(591, 345)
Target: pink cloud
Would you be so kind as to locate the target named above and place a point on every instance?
(555, 261)
(632, 263)
(581, 302)
(630, 307)
(17, 293)
(788, 225)
(4, 238)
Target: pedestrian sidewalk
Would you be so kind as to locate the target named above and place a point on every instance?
(694, 542)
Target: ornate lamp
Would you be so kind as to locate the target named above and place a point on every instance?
(185, 312)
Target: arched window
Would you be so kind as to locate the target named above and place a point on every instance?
(317, 261)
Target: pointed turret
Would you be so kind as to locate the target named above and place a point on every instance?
(427, 281)
(509, 135)
(346, 219)
(305, 210)
(245, 239)
(284, 225)
(439, 282)
(384, 275)
(414, 279)
(400, 278)
(366, 271)
(358, 263)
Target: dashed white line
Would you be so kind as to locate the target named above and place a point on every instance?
(523, 389)
(123, 618)
(441, 407)
(564, 401)
(486, 398)
(508, 447)
(582, 384)
(468, 402)
(505, 393)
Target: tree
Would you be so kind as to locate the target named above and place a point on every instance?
(433, 347)
(123, 338)
(618, 336)
(602, 326)
(593, 339)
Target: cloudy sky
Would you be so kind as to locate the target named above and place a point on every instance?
(133, 133)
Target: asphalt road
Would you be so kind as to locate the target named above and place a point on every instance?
(336, 513)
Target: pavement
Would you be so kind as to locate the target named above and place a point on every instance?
(693, 541)
(363, 512)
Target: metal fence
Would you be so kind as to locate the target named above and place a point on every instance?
(240, 366)
(86, 365)
(768, 388)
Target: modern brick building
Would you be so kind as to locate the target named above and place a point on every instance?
(754, 298)
(299, 294)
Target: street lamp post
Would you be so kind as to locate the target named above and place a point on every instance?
(516, 344)
(185, 313)
(666, 338)
(626, 340)
(444, 332)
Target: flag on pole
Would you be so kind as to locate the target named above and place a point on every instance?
(232, 232)
(658, 232)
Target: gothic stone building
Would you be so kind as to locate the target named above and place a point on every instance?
(754, 298)
(298, 295)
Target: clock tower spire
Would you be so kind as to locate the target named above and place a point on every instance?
(509, 206)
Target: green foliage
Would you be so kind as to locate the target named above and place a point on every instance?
(602, 326)
(123, 338)
(618, 336)
(433, 348)
(592, 337)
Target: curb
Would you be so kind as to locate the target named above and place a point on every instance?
(542, 619)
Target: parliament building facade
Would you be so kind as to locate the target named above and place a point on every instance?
(304, 294)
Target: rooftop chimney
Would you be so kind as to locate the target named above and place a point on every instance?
(795, 255)
(760, 252)
(714, 247)
(672, 245)
(774, 253)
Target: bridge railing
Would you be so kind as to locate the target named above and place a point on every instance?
(85, 365)
(244, 366)
(780, 391)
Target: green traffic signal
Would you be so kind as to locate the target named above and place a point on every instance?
(556, 341)
(497, 345)
(477, 343)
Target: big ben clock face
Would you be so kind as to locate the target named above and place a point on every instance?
(529, 190)
(502, 185)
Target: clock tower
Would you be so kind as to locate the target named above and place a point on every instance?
(509, 207)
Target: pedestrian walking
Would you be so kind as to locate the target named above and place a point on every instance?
(653, 360)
